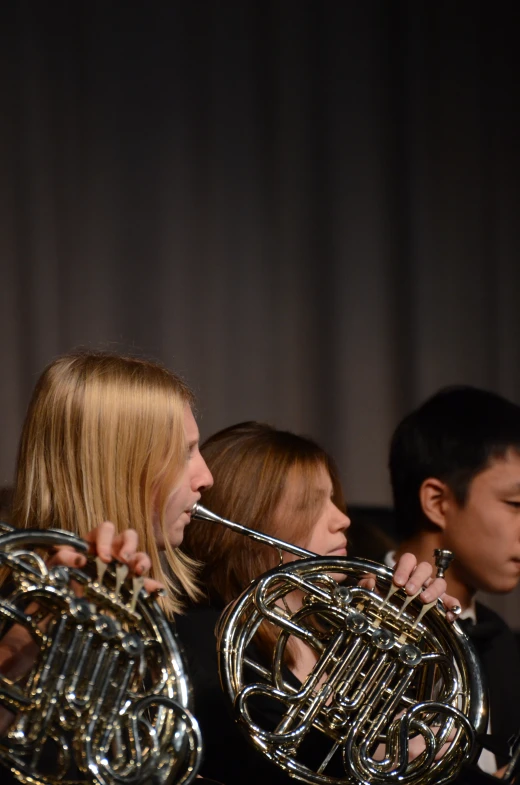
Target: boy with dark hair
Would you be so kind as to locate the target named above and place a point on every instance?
(455, 473)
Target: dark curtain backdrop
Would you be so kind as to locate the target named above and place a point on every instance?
(310, 209)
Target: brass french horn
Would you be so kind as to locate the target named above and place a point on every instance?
(388, 668)
(107, 700)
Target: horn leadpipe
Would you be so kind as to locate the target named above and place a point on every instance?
(202, 514)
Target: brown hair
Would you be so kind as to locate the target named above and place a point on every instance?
(103, 439)
(251, 464)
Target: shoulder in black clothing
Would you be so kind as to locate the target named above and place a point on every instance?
(228, 756)
(499, 653)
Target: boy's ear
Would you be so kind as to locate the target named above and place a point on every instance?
(434, 496)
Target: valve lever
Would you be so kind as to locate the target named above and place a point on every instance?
(101, 567)
(121, 573)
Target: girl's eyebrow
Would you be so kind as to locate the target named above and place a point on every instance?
(318, 492)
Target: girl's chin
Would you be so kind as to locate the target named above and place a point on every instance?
(176, 535)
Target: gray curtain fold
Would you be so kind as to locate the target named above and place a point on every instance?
(310, 209)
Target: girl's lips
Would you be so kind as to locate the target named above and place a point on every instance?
(338, 552)
(189, 511)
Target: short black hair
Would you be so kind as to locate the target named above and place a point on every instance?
(453, 436)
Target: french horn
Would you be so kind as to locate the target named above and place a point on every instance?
(388, 669)
(107, 700)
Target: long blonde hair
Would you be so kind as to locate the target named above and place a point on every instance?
(103, 439)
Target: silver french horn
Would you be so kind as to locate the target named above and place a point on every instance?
(388, 668)
(107, 700)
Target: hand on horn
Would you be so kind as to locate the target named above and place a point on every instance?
(416, 579)
(417, 745)
(107, 545)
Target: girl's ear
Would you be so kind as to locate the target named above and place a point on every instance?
(434, 495)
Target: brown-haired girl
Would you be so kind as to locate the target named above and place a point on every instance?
(287, 486)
